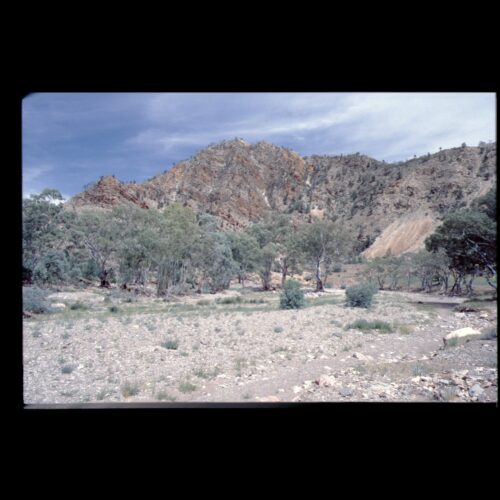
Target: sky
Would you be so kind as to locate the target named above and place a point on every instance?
(71, 139)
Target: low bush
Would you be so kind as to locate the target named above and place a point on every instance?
(292, 296)
(78, 306)
(363, 324)
(35, 300)
(229, 300)
(170, 344)
(360, 295)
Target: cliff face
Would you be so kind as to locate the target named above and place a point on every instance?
(390, 207)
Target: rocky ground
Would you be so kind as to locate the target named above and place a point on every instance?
(119, 348)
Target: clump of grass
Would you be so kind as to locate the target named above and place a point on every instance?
(203, 302)
(229, 300)
(207, 374)
(107, 299)
(130, 389)
(278, 329)
(101, 395)
(255, 301)
(489, 334)
(448, 393)
(164, 396)
(468, 307)
(170, 344)
(65, 336)
(363, 324)
(78, 306)
(67, 368)
(184, 354)
(419, 370)
(240, 363)
(36, 333)
(113, 309)
(186, 386)
(346, 348)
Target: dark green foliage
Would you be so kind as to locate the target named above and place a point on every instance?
(114, 309)
(78, 306)
(292, 296)
(360, 295)
(468, 238)
(35, 300)
(51, 269)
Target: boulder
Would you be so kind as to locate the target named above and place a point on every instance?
(462, 335)
(346, 391)
(326, 381)
(476, 391)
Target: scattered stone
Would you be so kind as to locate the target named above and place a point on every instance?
(296, 389)
(58, 306)
(346, 391)
(462, 335)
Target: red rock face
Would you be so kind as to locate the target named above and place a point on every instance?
(107, 192)
(239, 182)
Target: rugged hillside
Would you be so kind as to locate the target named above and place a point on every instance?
(390, 207)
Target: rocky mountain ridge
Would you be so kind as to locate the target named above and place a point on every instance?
(391, 207)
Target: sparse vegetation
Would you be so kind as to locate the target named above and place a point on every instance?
(187, 386)
(67, 368)
(165, 396)
(129, 389)
(278, 329)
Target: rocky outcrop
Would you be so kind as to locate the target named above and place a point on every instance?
(462, 335)
(390, 208)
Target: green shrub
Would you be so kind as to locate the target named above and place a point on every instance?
(278, 329)
(363, 324)
(292, 296)
(113, 309)
(170, 344)
(360, 295)
(337, 268)
(203, 302)
(35, 300)
(52, 268)
(78, 306)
